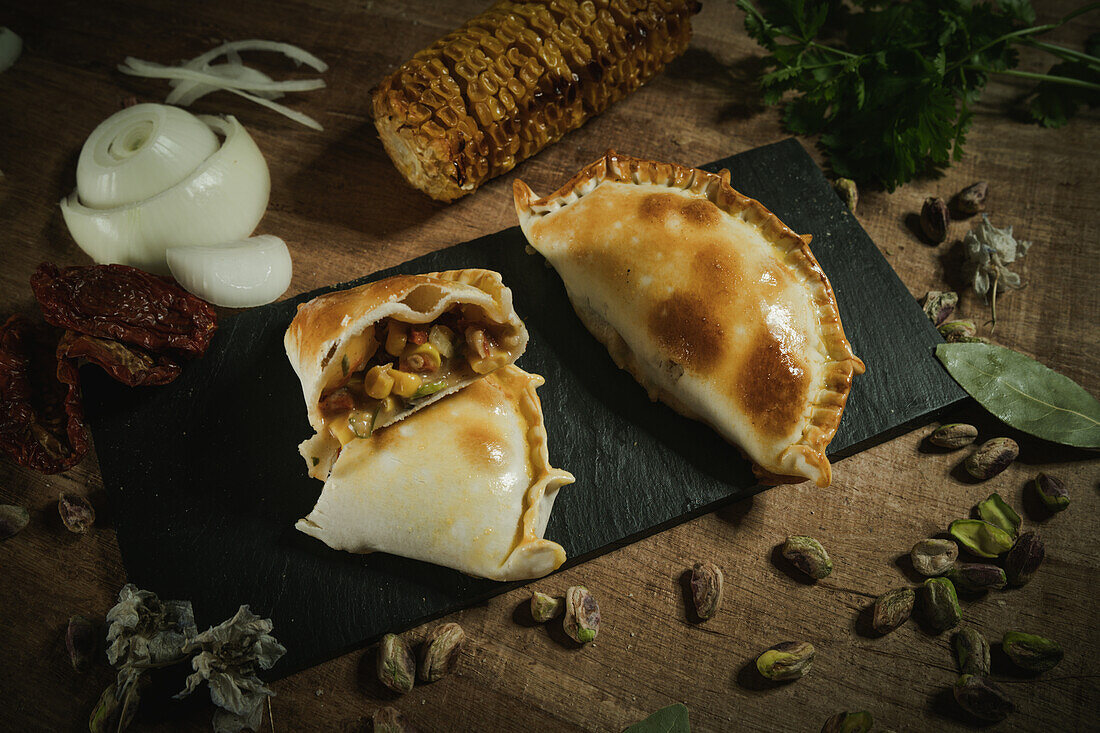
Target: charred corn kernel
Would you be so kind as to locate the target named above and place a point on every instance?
(405, 384)
(357, 350)
(396, 337)
(341, 430)
(423, 359)
(517, 78)
(378, 382)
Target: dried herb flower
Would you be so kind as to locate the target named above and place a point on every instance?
(989, 251)
(229, 655)
(939, 306)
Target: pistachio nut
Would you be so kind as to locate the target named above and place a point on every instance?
(1031, 652)
(997, 512)
(1024, 558)
(860, 722)
(12, 520)
(545, 607)
(849, 194)
(981, 538)
(933, 557)
(396, 666)
(940, 604)
(992, 457)
(892, 609)
(1051, 490)
(80, 640)
(76, 512)
(440, 651)
(982, 698)
(390, 720)
(971, 651)
(582, 614)
(787, 661)
(939, 305)
(953, 435)
(934, 218)
(971, 200)
(706, 589)
(974, 578)
(955, 331)
(807, 554)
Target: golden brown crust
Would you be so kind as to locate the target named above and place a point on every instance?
(699, 346)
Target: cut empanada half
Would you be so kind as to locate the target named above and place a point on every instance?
(714, 305)
(465, 483)
(372, 355)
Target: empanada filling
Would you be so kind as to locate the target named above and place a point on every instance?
(392, 366)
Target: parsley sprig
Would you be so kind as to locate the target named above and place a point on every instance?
(889, 87)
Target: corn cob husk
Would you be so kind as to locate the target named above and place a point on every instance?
(517, 78)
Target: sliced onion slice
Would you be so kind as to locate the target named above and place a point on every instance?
(221, 200)
(242, 274)
(140, 150)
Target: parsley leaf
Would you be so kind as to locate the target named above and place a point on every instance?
(889, 86)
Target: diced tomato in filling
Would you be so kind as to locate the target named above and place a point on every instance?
(418, 335)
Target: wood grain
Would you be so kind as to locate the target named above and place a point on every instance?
(340, 205)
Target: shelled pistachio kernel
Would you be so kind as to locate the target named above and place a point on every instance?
(1031, 652)
(440, 650)
(992, 457)
(12, 520)
(1024, 558)
(974, 577)
(940, 604)
(1051, 490)
(859, 722)
(892, 609)
(390, 720)
(982, 698)
(582, 614)
(786, 661)
(934, 218)
(80, 640)
(981, 538)
(396, 666)
(997, 512)
(706, 589)
(933, 557)
(953, 435)
(76, 512)
(971, 652)
(807, 554)
(545, 607)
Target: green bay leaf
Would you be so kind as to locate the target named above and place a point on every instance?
(672, 719)
(1023, 393)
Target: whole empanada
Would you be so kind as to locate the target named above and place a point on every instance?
(465, 483)
(370, 356)
(714, 305)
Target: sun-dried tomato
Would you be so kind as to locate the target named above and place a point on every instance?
(128, 364)
(41, 413)
(125, 304)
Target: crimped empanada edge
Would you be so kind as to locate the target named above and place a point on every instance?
(842, 364)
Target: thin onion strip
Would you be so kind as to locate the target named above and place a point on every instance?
(186, 92)
(137, 67)
(282, 109)
(295, 54)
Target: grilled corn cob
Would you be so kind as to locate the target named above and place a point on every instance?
(517, 78)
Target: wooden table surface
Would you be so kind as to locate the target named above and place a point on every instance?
(344, 212)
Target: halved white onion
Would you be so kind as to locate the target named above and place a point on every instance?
(141, 149)
(221, 200)
(241, 274)
(11, 46)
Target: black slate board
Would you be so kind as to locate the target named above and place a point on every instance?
(206, 482)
